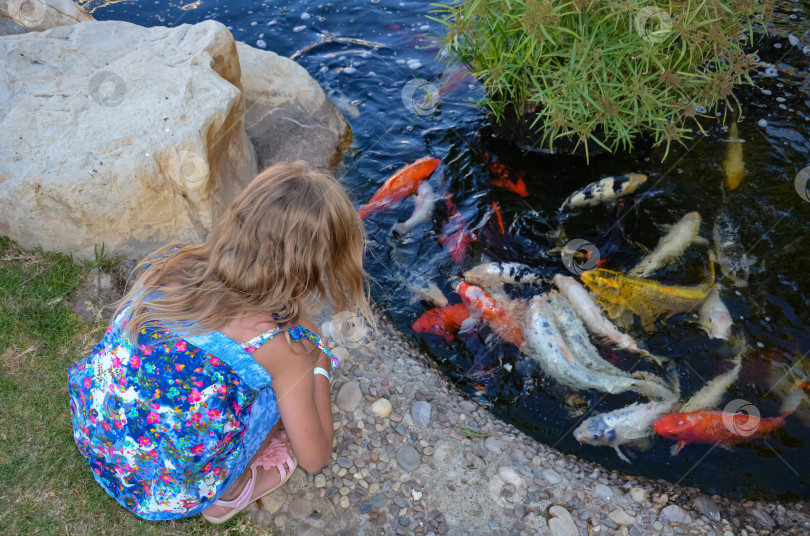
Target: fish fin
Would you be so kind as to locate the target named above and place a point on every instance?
(676, 448)
(621, 454)
(751, 260)
(792, 401)
(639, 246)
(700, 241)
(467, 325)
(643, 443)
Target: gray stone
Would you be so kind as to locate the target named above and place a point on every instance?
(639, 495)
(764, 519)
(420, 411)
(349, 396)
(707, 506)
(345, 462)
(287, 114)
(467, 406)
(620, 517)
(675, 514)
(603, 491)
(185, 169)
(493, 444)
(408, 458)
(561, 524)
(551, 476)
(379, 500)
(299, 508)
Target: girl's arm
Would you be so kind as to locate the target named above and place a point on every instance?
(303, 397)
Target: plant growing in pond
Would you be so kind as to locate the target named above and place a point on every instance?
(604, 72)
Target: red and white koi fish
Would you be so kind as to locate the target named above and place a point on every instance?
(400, 185)
(455, 235)
(481, 303)
(442, 321)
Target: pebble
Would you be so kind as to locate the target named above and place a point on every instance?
(639, 495)
(467, 406)
(344, 502)
(320, 481)
(603, 491)
(379, 500)
(562, 524)
(764, 519)
(493, 444)
(381, 407)
(551, 476)
(345, 462)
(299, 508)
(408, 458)
(676, 514)
(420, 412)
(620, 517)
(706, 506)
(273, 502)
(349, 396)
(401, 430)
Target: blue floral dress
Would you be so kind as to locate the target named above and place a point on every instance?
(167, 424)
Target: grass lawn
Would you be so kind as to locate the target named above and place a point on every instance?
(46, 487)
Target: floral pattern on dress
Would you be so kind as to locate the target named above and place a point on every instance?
(160, 421)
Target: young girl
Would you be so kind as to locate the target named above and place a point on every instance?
(179, 408)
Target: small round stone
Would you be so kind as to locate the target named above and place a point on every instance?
(320, 481)
(349, 396)
(344, 502)
(299, 508)
(420, 412)
(273, 502)
(408, 458)
(381, 407)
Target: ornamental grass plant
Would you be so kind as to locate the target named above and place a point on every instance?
(604, 72)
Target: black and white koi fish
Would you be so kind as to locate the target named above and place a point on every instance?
(495, 274)
(729, 252)
(607, 189)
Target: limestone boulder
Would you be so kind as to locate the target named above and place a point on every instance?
(287, 114)
(116, 134)
(38, 15)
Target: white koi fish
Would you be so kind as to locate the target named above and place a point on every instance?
(711, 393)
(671, 246)
(424, 203)
(714, 316)
(625, 425)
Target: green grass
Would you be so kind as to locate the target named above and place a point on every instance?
(46, 487)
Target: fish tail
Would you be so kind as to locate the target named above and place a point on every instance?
(792, 401)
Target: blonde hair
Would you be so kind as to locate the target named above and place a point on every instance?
(291, 240)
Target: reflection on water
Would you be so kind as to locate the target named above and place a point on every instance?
(436, 118)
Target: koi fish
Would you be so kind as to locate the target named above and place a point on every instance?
(712, 426)
(506, 177)
(734, 166)
(455, 235)
(497, 211)
(480, 303)
(711, 393)
(495, 274)
(546, 346)
(442, 321)
(714, 316)
(401, 184)
(422, 211)
(671, 246)
(646, 298)
(729, 252)
(607, 189)
(622, 426)
(427, 291)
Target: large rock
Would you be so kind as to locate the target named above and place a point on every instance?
(118, 134)
(287, 114)
(38, 15)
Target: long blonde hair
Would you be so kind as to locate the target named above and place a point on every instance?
(290, 241)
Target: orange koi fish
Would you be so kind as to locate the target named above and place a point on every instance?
(479, 301)
(505, 176)
(712, 426)
(497, 210)
(442, 321)
(400, 185)
(455, 235)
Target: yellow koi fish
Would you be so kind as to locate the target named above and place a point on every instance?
(733, 165)
(647, 298)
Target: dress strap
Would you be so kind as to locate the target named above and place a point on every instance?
(297, 332)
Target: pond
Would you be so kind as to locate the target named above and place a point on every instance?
(373, 86)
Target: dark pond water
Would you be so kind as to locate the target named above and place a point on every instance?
(772, 312)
